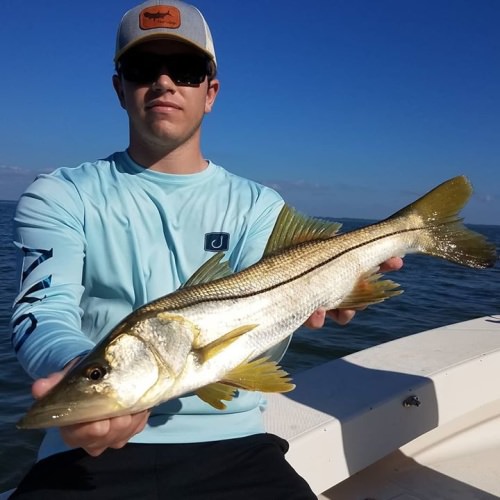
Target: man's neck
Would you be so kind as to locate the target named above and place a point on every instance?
(184, 159)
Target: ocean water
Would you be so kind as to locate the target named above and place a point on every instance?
(436, 293)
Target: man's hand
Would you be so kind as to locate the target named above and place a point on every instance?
(343, 316)
(94, 437)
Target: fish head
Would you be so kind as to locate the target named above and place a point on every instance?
(113, 379)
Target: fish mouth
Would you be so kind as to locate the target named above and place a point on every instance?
(44, 414)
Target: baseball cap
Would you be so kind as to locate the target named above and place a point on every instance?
(170, 19)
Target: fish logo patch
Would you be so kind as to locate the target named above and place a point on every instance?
(216, 242)
(160, 16)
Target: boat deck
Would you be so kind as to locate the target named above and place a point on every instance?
(416, 418)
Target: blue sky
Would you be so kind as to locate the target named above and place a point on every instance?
(350, 108)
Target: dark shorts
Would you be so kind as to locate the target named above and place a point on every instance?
(252, 467)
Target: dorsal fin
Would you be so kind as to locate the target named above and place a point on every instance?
(211, 270)
(292, 228)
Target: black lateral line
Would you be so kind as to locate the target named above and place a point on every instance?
(175, 307)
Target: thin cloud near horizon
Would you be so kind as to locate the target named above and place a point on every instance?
(15, 179)
(321, 199)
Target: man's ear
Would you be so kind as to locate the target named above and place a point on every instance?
(212, 91)
(117, 85)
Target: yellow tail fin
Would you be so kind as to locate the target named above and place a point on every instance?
(447, 236)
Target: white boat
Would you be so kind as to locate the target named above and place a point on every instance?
(417, 418)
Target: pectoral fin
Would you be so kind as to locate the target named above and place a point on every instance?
(370, 289)
(215, 347)
(260, 375)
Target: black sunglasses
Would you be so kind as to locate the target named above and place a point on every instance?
(183, 69)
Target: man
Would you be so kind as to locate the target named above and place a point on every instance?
(100, 240)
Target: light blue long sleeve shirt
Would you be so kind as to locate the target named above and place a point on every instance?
(100, 240)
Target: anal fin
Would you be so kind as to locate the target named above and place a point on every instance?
(370, 289)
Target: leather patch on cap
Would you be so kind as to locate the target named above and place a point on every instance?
(160, 16)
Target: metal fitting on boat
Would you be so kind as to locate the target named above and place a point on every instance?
(411, 401)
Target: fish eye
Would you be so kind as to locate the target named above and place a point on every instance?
(95, 373)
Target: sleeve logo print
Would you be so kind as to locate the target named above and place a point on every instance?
(26, 323)
(216, 242)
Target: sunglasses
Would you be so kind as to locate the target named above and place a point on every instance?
(183, 69)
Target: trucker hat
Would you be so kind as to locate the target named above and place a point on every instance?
(171, 19)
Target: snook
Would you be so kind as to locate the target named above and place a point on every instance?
(212, 335)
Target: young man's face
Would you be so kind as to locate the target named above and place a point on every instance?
(159, 87)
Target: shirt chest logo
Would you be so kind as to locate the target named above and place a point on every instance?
(216, 242)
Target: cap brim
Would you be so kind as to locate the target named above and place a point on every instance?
(161, 36)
